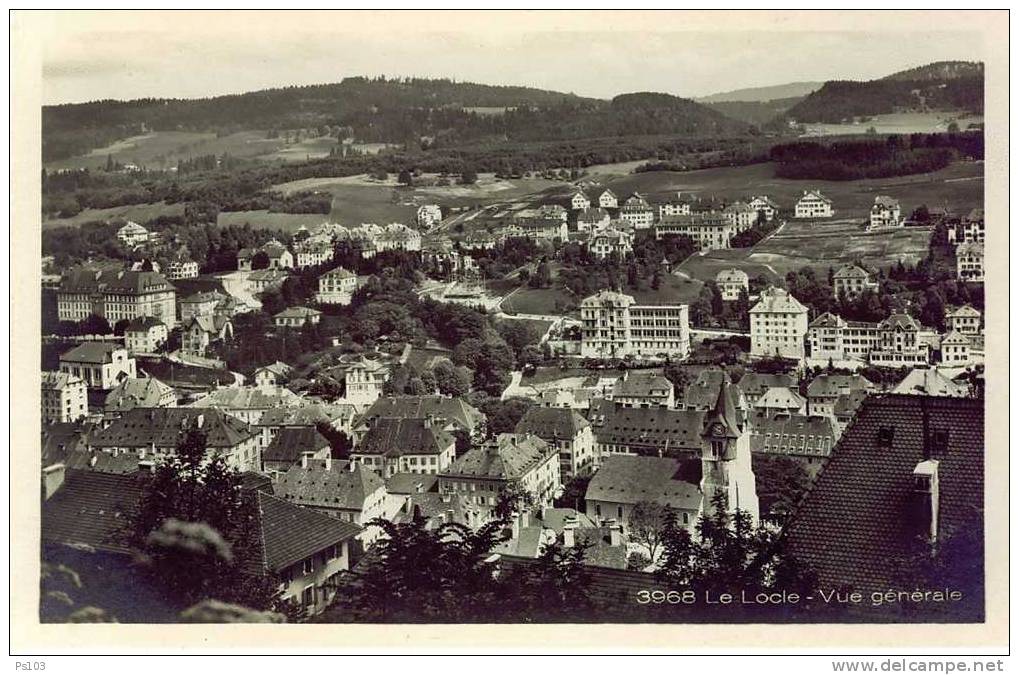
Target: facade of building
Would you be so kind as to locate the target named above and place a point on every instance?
(132, 234)
(312, 252)
(852, 280)
(507, 462)
(291, 445)
(807, 438)
(607, 199)
(964, 319)
(199, 333)
(200, 304)
(364, 381)
(114, 295)
(566, 431)
(825, 391)
(249, 404)
(336, 287)
(64, 397)
(763, 204)
(778, 325)
(609, 241)
(741, 215)
(813, 204)
(894, 342)
(885, 212)
(639, 216)
(273, 375)
(145, 335)
(182, 268)
(679, 206)
(342, 490)
(592, 219)
(614, 326)
(970, 228)
(579, 201)
(623, 481)
(955, 350)
(296, 317)
(640, 389)
(101, 365)
(731, 282)
(969, 259)
(139, 392)
(711, 231)
(538, 229)
(451, 414)
(392, 445)
(429, 215)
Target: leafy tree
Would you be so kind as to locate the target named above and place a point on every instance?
(468, 176)
(94, 325)
(452, 380)
(573, 494)
(120, 327)
(781, 482)
(646, 525)
(260, 261)
(405, 177)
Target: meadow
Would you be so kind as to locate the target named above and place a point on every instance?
(898, 123)
(139, 213)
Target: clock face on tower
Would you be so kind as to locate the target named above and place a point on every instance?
(717, 430)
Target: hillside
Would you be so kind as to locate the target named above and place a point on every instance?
(956, 89)
(940, 71)
(758, 113)
(402, 111)
(764, 94)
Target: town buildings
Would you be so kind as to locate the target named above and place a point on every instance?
(364, 380)
(100, 364)
(566, 431)
(203, 303)
(139, 392)
(807, 438)
(608, 241)
(897, 341)
(614, 326)
(343, 490)
(311, 252)
(450, 414)
(969, 228)
(509, 462)
(964, 319)
(731, 282)
(336, 287)
(852, 280)
(710, 230)
(297, 317)
(64, 397)
(145, 335)
(764, 205)
(741, 215)
(778, 325)
(115, 294)
(248, 404)
(202, 331)
(813, 204)
(885, 213)
(428, 216)
(679, 206)
(955, 349)
(637, 213)
(273, 375)
(392, 445)
(624, 481)
(592, 219)
(182, 268)
(291, 445)
(537, 228)
(579, 201)
(606, 199)
(132, 234)
(642, 388)
(969, 260)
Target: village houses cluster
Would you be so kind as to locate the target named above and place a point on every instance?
(623, 429)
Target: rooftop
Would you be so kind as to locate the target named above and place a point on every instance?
(508, 457)
(630, 479)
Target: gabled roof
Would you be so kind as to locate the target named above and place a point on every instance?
(203, 297)
(290, 443)
(113, 280)
(929, 382)
(278, 368)
(59, 439)
(307, 414)
(410, 483)
(55, 379)
(755, 384)
(340, 486)
(815, 194)
(142, 324)
(732, 276)
(851, 271)
(453, 410)
(857, 518)
(885, 202)
(92, 508)
(248, 398)
(963, 311)
(297, 313)
(551, 423)
(780, 397)
(290, 534)
(339, 273)
(663, 428)
(91, 352)
(828, 320)
(165, 427)
(136, 392)
(777, 300)
(212, 324)
(395, 437)
(955, 338)
(637, 383)
(899, 320)
(629, 479)
(830, 386)
(508, 457)
(792, 433)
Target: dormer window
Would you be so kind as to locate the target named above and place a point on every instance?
(885, 436)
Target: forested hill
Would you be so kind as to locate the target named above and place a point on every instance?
(956, 88)
(940, 71)
(405, 111)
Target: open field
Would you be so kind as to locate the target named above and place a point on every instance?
(139, 213)
(673, 290)
(163, 149)
(263, 219)
(959, 186)
(540, 301)
(898, 123)
(814, 244)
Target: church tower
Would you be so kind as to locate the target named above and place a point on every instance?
(725, 456)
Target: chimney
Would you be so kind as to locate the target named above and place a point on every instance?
(304, 459)
(570, 525)
(52, 479)
(329, 463)
(926, 493)
(615, 532)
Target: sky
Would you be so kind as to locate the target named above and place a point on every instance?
(186, 57)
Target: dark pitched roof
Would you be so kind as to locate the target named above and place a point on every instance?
(675, 430)
(340, 486)
(164, 428)
(111, 280)
(830, 386)
(411, 483)
(509, 457)
(792, 433)
(61, 438)
(551, 423)
(92, 508)
(856, 518)
(292, 533)
(755, 384)
(291, 442)
(453, 410)
(629, 479)
(143, 323)
(136, 392)
(642, 383)
(91, 352)
(394, 437)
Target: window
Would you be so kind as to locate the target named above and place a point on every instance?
(308, 566)
(308, 596)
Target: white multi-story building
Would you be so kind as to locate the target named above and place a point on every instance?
(763, 204)
(680, 206)
(114, 295)
(592, 219)
(955, 349)
(741, 215)
(614, 326)
(852, 280)
(64, 397)
(145, 335)
(969, 259)
(886, 212)
(965, 320)
(132, 234)
(969, 228)
(579, 201)
(608, 241)
(710, 230)
(364, 381)
(607, 199)
(182, 269)
(312, 252)
(778, 325)
(731, 281)
(637, 212)
(429, 215)
(336, 287)
(813, 204)
(896, 341)
(100, 364)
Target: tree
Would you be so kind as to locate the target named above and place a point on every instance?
(656, 280)
(468, 176)
(405, 177)
(94, 325)
(120, 327)
(197, 528)
(781, 482)
(260, 261)
(646, 525)
(452, 380)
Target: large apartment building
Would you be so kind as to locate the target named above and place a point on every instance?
(778, 324)
(896, 341)
(115, 294)
(710, 230)
(614, 326)
(813, 204)
(64, 397)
